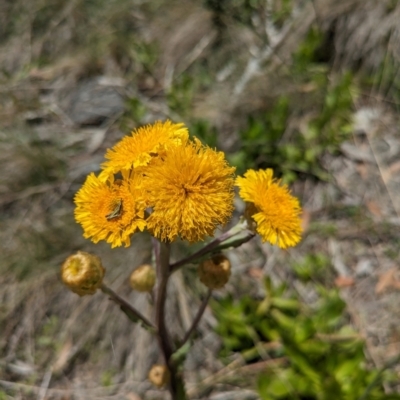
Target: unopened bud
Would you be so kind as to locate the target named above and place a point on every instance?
(249, 211)
(143, 278)
(159, 375)
(215, 272)
(82, 273)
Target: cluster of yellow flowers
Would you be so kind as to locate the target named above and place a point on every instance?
(160, 180)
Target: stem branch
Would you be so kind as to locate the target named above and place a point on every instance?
(235, 237)
(196, 320)
(127, 308)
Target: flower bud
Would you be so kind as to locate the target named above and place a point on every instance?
(215, 272)
(82, 273)
(249, 211)
(159, 375)
(143, 278)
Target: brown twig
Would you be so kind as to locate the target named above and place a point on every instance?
(196, 320)
(127, 308)
(237, 367)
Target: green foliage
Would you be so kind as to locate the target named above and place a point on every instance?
(180, 95)
(49, 329)
(385, 80)
(263, 144)
(45, 14)
(323, 356)
(186, 86)
(260, 140)
(313, 266)
(205, 132)
(281, 11)
(240, 10)
(135, 111)
(391, 5)
(107, 377)
(145, 54)
(305, 56)
(247, 12)
(268, 141)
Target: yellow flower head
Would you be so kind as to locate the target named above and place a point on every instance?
(274, 209)
(190, 190)
(146, 142)
(110, 211)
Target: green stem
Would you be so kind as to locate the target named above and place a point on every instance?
(235, 237)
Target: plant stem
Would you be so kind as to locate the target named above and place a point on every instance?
(196, 320)
(162, 253)
(235, 237)
(127, 308)
(162, 262)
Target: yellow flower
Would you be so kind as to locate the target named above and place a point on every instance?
(110, 211)
(190, 191)
(273, 208)
(145, 143)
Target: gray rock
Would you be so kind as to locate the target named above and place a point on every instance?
(92, 102)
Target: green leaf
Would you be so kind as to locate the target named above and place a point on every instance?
(285, 304)
(179, 356)
(272, 387)
(283, 320)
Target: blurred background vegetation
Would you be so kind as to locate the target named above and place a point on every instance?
(309, 88)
